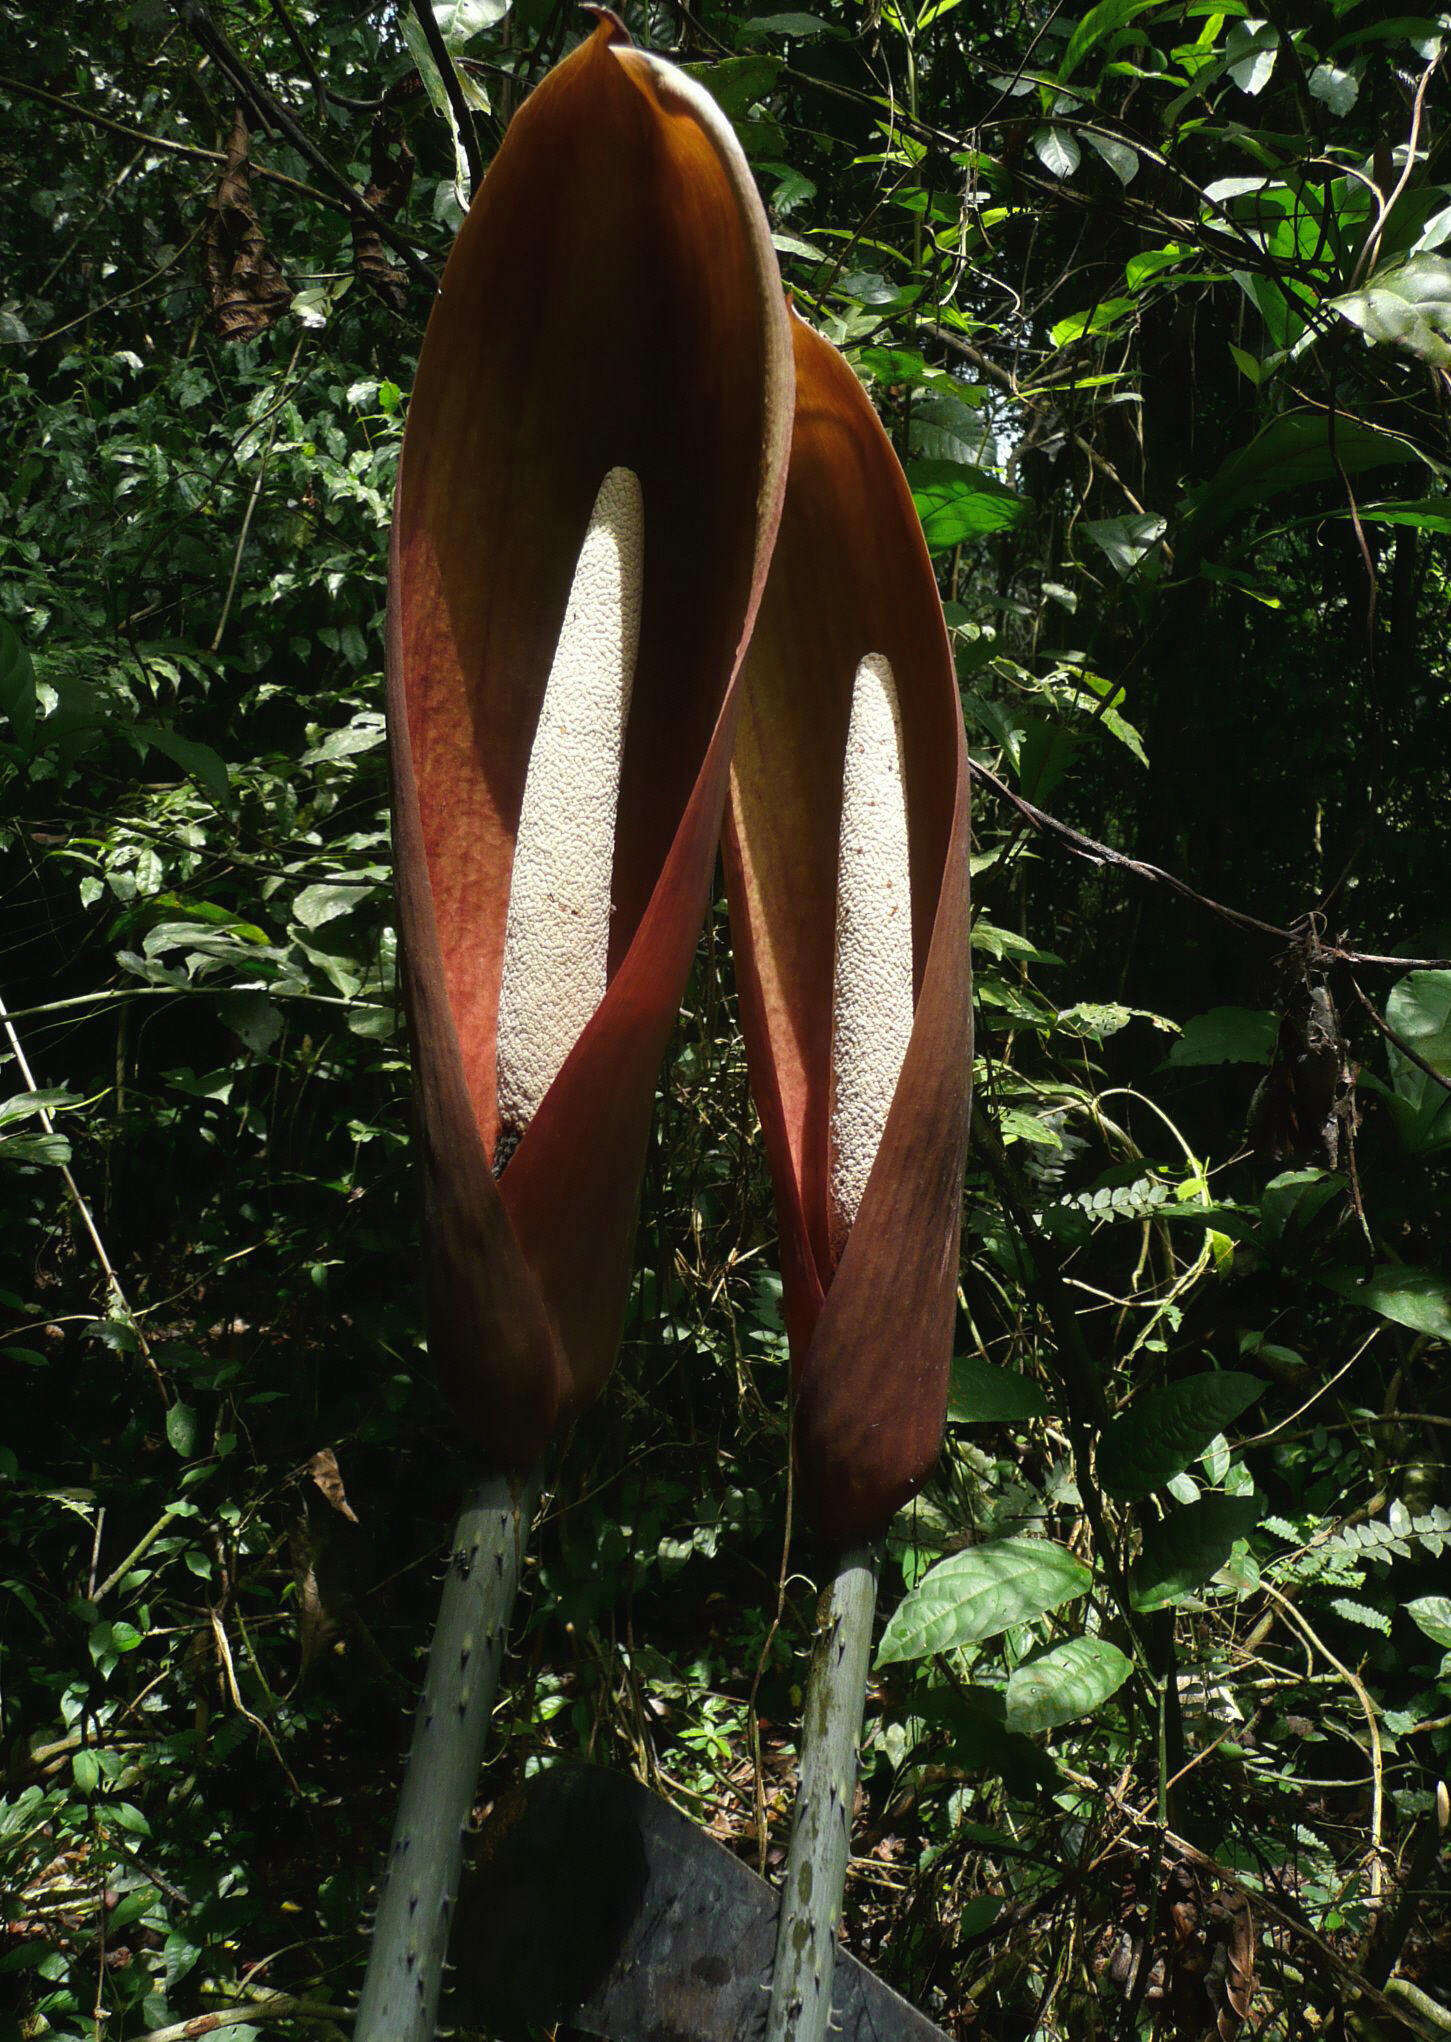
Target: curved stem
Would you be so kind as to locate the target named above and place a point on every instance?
(821, 1828)
(420, 1882)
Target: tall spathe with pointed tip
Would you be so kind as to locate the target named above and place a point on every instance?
(847, 870)
(590, 484)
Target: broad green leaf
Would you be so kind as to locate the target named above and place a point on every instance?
(1226, 1035)
(1120, 158)
(53, 1150)
(800, 27)
(1101, 317)
(1068, 1681)
(956, 502)
(1428, 514)
(1292, 1200)
(1334, 88)
(198, 761)
(1433, 1615)
(948, 428)
(737, 83)
(86, 1771)
(1252, 48)
(979, 1593)
(1419, 1010)
(324, 902)
(983, 1395)
(182, 1427)
(22, 1105)
(1057, 151)
(1104, 20)
(460, 21)
(1418, 1298)
(1183, 1549)
(1290, 452)
(1406, 305)
(1125, 541)
(1163, 1431)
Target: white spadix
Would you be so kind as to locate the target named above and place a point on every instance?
(557, 935)
(872, 993)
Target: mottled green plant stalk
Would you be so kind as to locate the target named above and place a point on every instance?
(425, 1857)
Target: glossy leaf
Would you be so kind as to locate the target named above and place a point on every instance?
(983, 1395)
(1418, 1298)
(981, 1592)
(1068, 1681)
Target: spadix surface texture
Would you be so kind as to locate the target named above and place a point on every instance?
(851, 603)
(557, 933)
(871, 1011)
(611, 308)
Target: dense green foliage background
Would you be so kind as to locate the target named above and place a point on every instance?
(1156, 301)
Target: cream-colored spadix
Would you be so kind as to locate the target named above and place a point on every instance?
(557, 936)
(871, 1020)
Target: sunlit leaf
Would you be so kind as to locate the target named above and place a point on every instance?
(1067, 1682)
(981, 1592)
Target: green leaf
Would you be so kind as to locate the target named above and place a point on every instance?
(1068, 1681)
(982, 1395)
(956, 502)
(1183, 1549)
(1252, 48)
(1432, 1613)
(253, 1017)
(1418, 1298)
(1406, 305)
(1120, 158)
(1164, 1431)
(1226, 1035)
(1099, 318)
(86, 1771)
(316, 905)
(1057, 151)
(460, 21)
(182, 1427)
(198, 761)
(1334, 88)
(978, 1593)
(1294, 1198)
(51, 1099)
(800, 27)
(1104, 20)
(737, 82)
(1419, 1010)
(1291, 452)
(1126, 541)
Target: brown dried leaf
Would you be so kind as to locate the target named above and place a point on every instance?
(389, 181)
(246, 288)
(324, 1469)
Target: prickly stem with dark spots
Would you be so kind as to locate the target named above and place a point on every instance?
(816, 1861)
(415, 1901)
